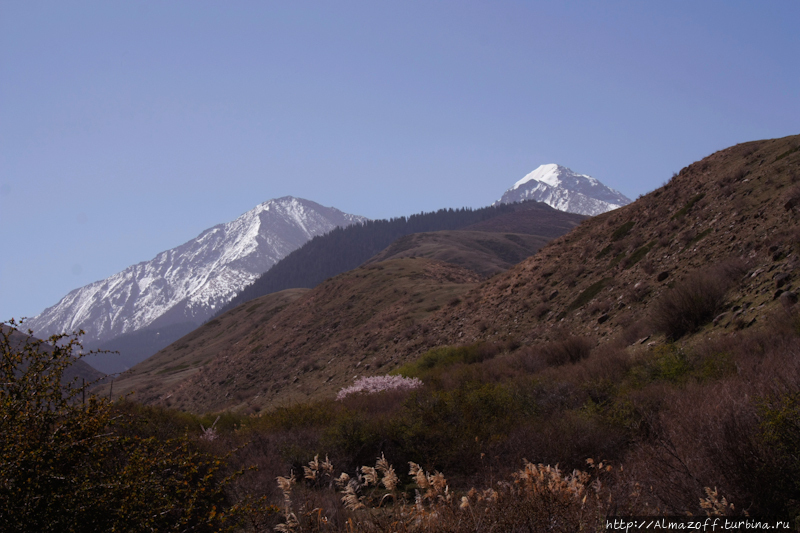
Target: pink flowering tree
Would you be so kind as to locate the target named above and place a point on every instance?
(374, 384)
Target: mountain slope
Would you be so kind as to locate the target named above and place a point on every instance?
(486, 253)
(737, 207)
(735, 214)
(261, 354)
(188, 283)
(131, 348)
(229, 335)
(565, 190)
(347, 248)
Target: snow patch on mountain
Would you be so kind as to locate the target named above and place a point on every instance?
(565, 190)
(187, 283)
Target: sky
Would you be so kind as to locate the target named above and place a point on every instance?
(127, 128)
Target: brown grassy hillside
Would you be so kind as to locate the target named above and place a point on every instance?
(728, 222)
(656, 347)
(484, 252)
(360, 322)
(189, 354)
(738, 206)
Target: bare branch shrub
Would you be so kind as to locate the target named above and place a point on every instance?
(568, 350)
(693, 302)
(541, 310)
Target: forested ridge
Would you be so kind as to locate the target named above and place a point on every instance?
(344, 249)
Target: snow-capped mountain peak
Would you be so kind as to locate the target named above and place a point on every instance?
(185, 284)
(551, 175)
(565, 190)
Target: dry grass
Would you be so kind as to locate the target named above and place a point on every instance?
(707, 427)
(537, 497)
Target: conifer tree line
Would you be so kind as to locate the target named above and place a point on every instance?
(344, 249)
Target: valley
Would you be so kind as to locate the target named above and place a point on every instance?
(644, 361)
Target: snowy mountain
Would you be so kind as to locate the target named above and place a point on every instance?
(186, 284)
(563, 189)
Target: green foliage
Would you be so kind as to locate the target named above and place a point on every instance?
(604, 252)
(344, 249)
(700, 236)
(668, 363)
(621, 231)
(444, 427)
(587, 295)
(639, 254)
(715, 366)
(614, 262)
(69, 462)
(357, 437)
(301, 415)
(176, 368)
(446, 356)
(440, 427)
(780, 429)
(685, 209)
(673, 364)
(787, 153)
(781, 426)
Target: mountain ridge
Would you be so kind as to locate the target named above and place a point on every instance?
(347, 248)
(601, 282)
(187, 283)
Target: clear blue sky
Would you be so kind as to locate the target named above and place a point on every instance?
(127, 128)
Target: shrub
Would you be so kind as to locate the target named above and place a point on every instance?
(67, 464)
(693, 302)
(780, 428)
(622, 231)
(666, 362)
(639, 254)
(569, 350)
(541, 310)
(447, 356)
(538, 498)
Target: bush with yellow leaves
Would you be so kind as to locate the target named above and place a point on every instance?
(69, 462)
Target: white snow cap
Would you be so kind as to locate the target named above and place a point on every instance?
(565, 190)
(550, 175)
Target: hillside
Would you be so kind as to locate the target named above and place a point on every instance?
(191, 352)
(738, 205)
(266, 353)
(346, 248)
(486, 253)
(603, 281)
